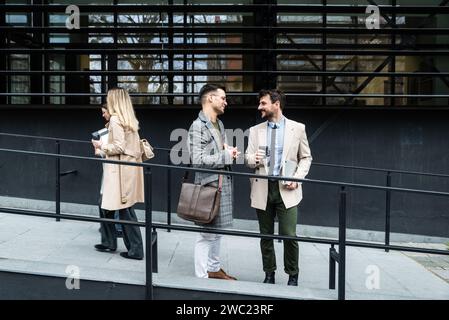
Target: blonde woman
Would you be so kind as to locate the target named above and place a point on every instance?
(122, 184)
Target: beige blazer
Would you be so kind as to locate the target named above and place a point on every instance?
(296, 148)
(122, 185)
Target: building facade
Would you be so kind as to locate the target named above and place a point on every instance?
(369, 80)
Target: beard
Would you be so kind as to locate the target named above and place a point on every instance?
(267, 114)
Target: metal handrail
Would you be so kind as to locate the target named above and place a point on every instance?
(180, 227)
(385, 170)
(335, 257)
(382, 170)
(340, 166)
(224, 172)
(6, 134)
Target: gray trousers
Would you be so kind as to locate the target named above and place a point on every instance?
(132, 236)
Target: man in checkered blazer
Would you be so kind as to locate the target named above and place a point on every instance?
(208, 148)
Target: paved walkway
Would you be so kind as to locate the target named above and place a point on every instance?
(44, 246)
(437, 264)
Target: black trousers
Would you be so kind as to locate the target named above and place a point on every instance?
(132, 236)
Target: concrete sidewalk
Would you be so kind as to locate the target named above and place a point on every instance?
(43, 246)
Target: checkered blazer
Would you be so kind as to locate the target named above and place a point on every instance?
(206, 151)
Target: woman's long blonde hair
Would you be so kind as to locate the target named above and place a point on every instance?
(119, 104)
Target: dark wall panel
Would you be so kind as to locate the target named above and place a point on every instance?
(408, 140)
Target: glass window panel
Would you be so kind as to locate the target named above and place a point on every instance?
(418, 2)
(100, 19)
(17, 19)
(81, 2)
(362, 3)
(57, 19)
(59, 38)
(202, 2)
(57, 82)
(101, 38)
(19, 83)
(299, 19)
(140, 2)
(96, 81)
(289, 62)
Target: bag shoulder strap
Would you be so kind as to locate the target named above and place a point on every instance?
(220, 178)
(186, 174)
(220, 182)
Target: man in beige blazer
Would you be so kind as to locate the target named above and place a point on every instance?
(277, 147)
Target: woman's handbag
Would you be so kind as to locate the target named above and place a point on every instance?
(198, 203)
(146, 149)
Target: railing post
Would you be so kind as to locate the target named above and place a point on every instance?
(342, 245)
(332, 252)
(168, 192)
(148, 235)
(388, 212)
(154, 251)
(58, 181)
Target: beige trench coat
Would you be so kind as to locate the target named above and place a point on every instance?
(122, 185)
(296, 148)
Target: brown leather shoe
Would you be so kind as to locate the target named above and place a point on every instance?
(227, 275)
(220, 274)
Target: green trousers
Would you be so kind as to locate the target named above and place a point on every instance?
(287, 227)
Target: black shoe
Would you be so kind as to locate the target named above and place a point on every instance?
(293, 280)
(269, 277)
(125, 255)
(103, 248)
(119, 234)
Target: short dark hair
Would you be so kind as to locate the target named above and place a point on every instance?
(275, 96)
(209, 88)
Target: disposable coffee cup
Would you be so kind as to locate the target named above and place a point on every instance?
(263, 149)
